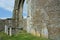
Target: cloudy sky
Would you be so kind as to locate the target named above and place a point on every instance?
(6, 8)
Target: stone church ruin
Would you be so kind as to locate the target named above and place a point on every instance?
(43, 17)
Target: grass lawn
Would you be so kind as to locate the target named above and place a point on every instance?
(20, 36)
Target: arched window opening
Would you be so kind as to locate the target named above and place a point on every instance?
(25, 9)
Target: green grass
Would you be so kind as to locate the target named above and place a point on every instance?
(3, 36)
(20, 36)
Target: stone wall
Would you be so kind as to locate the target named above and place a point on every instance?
(44, 17)
(17, 14)
(24, 24)
(2, 24)
(53, 11)
(36, 15)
